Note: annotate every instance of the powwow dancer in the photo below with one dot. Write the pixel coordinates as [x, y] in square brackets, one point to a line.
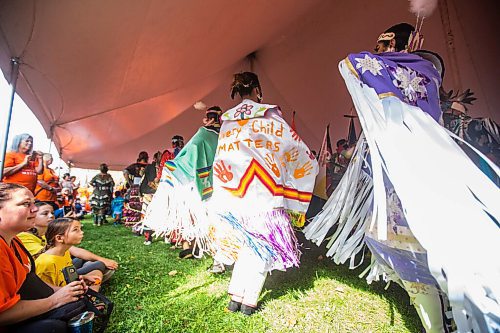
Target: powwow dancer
[263, 181]
[101, 197]
[177, 206]
[429, 223]
[170, 153]
[147, 189]
[133, 176]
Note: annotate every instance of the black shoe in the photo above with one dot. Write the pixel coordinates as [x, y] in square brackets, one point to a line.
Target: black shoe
[186, 254]
[247, 310]
[234, 306]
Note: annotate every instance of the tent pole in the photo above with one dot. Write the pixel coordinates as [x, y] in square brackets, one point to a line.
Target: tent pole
[13, 82]
[450, 42]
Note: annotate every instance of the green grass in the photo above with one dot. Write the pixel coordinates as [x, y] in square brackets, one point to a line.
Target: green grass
[318, 297]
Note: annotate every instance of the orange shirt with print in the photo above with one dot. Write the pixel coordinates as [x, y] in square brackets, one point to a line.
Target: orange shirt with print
[12, 272]
[49, 176]
[26, 176]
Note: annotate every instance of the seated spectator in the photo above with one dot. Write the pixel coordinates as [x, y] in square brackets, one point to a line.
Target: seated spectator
[34, 239]
[55, 259]
[78, 207]
[85, 261]
[69, 206]
[22, 165]
[28, 304]
[66, 209]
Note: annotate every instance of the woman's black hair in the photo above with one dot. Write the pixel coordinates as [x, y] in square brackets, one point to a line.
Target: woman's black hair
[143, 156]
[244, 83]
[103, 168]
[214, 113]
[214, 108]
[177, 138]
[402, 32]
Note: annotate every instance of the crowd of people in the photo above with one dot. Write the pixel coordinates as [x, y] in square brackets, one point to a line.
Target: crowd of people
[240, 188]
[40, 229]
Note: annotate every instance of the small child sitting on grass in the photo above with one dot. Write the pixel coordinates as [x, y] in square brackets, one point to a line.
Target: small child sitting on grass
[62, 234]
[117, 207]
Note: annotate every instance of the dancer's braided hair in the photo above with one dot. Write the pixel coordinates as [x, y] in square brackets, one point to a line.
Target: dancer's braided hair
[244, 83]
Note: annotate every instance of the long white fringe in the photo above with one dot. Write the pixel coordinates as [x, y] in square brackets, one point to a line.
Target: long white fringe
[451, 207]
[347, 210]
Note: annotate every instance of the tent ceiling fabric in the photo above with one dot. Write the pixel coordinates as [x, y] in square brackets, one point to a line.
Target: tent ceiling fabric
[110, 78]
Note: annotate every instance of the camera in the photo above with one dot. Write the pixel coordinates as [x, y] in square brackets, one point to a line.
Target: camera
[70, 274]
[67, 209]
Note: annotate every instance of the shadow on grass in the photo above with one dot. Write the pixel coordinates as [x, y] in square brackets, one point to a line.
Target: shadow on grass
[303, 278]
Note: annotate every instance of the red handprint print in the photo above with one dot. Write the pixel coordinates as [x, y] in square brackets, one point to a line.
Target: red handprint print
[222, 172]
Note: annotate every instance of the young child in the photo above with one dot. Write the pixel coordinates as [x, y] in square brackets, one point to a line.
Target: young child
[34, 239]
[78, 207]
[117, 207]
[62, 234]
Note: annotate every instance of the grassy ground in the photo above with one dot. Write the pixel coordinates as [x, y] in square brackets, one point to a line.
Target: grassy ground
[318, 297]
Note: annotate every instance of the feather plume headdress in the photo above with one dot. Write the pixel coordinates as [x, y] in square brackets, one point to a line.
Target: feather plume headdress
[200, 106]
[423, 9]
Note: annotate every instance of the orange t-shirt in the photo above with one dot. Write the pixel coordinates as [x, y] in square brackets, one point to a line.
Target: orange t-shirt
[12, 273]
[26, 176]
[50, 177]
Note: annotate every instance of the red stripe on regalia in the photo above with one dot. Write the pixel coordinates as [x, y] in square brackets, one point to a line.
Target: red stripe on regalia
[256, 170]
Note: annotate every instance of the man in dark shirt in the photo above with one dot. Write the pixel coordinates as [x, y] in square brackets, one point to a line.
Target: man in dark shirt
[149, 181]
[148, 187]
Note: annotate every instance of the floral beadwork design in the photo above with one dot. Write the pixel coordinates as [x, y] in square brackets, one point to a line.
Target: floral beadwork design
[245, 109]
[410, 83]
[369, 64]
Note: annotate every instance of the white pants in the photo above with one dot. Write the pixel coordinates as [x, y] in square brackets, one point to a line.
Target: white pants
[429, 306]
[248, 277]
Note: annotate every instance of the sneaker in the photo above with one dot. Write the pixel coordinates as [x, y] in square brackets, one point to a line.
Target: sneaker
[217, 268]
[106, 276]
[233, 306]
[147, 243]
[247, 309]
